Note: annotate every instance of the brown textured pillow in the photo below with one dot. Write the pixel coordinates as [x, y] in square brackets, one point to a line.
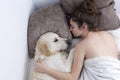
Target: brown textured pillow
[108, 19]
[47, 19]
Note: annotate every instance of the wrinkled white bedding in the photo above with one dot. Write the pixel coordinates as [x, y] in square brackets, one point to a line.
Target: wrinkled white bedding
[116, 35]
[101, 68]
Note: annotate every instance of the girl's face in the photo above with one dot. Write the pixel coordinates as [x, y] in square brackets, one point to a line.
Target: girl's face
[75, 30]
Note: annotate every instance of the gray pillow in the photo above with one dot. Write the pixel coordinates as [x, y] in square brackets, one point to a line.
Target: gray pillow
[108, 19]
[47, 19]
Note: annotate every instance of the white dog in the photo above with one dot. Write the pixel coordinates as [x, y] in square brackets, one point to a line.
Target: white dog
[51, 48]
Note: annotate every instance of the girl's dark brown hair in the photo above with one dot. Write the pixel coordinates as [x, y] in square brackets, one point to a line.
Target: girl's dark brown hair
[87, 13]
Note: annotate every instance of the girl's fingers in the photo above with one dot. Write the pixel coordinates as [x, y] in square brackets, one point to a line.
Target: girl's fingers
[38, 61]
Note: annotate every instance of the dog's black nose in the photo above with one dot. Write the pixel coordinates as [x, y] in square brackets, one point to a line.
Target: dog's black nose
[68, 42]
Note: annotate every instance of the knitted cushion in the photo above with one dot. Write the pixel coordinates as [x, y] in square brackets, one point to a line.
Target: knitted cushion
[47, 19]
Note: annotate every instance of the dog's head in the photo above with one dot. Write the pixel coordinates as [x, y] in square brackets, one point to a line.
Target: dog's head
[50, 43]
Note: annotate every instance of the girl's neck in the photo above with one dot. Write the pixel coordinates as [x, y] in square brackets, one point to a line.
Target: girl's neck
[85, 34]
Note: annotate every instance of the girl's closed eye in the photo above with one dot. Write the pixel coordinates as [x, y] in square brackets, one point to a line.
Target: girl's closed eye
[72, 27]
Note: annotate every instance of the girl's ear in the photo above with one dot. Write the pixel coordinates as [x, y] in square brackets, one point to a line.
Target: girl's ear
[84, 26]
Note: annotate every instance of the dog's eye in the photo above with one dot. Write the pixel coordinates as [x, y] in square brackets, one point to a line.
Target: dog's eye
[55, 40]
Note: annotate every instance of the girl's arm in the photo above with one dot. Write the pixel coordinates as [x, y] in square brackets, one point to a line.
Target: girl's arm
[78, 58]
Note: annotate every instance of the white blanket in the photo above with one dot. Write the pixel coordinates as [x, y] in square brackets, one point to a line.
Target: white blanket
[116, 36]
[101, 68]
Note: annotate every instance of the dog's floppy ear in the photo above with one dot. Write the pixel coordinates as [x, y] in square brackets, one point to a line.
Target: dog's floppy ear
[43, 48]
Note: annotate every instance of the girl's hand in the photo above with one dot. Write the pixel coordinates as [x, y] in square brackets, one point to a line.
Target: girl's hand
[40, 66]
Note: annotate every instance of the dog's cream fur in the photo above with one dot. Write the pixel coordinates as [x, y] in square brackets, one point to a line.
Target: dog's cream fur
[51, 48]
